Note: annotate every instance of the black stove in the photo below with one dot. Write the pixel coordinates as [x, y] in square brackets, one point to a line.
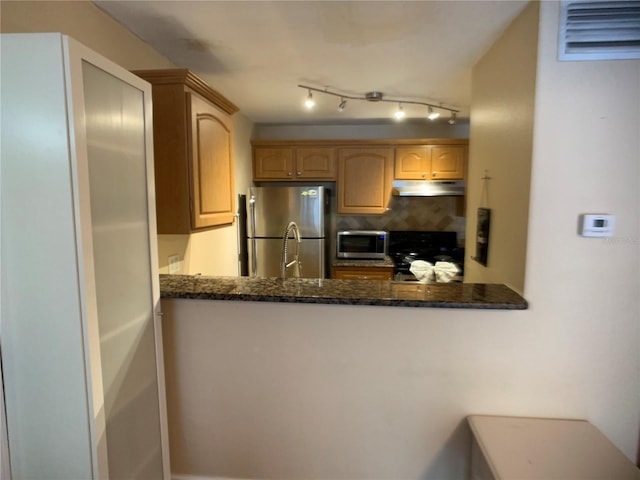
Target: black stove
[405, 246]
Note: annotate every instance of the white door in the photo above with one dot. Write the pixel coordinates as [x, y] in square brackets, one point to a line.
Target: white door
[117, 168]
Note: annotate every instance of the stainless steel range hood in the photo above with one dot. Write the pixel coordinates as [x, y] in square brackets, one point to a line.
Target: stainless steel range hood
[428, 188]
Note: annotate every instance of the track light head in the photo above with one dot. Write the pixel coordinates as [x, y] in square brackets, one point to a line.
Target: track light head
[452, 119]
[309, 102]
[432, 115]
[343, 102]
[399, 113]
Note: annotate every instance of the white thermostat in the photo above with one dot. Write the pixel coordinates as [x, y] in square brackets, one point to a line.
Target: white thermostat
[596, 225]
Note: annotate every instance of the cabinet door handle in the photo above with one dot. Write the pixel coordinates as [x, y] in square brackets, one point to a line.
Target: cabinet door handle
[288, 174]
[424, 174]
[434, 174]
[298, 173]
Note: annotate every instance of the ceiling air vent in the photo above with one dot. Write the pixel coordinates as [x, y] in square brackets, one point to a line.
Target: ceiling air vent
[599, 30]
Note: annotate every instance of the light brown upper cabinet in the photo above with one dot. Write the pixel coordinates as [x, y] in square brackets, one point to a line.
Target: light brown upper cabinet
[413, 163]
[273, 163]
[294, 163]
[193, 135]
[447, 162]
[430, 162]
[364, 179]
[364, 169]
[316, 163]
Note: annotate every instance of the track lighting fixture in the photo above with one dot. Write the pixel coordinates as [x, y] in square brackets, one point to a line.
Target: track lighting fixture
[432, 115]
[375, 96]
[309, 103]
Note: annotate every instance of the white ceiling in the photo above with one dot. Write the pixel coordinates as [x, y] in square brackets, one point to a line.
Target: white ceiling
[256, 52]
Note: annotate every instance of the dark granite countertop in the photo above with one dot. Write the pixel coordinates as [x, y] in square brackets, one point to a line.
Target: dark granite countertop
[358, 262]
[342, 292]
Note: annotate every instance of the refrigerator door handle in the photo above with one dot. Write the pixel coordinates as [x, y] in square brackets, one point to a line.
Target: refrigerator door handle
[254, 263]
[254, 250]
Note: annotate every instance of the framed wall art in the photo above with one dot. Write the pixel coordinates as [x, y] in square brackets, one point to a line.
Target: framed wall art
[482, 235]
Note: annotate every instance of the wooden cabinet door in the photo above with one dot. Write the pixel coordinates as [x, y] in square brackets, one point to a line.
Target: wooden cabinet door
[447, 162]
[273, 163]
[413, 163]
[316, 163]
[364, 180]
[211, 164]
[363, 273]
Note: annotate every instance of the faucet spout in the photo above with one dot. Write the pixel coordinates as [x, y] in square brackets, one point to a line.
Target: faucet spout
[292, 229]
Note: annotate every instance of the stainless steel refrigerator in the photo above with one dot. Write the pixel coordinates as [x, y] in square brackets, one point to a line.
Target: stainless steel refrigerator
[269, 211]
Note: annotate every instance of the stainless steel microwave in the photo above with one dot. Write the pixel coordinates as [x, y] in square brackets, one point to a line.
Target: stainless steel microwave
[367, 244]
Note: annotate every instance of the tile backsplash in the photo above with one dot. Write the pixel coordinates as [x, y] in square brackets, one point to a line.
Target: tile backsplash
[411, 213]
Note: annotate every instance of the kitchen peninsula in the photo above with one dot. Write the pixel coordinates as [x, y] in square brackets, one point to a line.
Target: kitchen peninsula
[342, 292]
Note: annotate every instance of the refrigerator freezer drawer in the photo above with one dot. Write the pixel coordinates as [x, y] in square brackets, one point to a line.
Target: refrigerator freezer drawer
[269, 253]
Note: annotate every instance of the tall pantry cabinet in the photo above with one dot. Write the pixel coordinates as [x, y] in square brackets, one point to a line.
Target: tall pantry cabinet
[81, 353]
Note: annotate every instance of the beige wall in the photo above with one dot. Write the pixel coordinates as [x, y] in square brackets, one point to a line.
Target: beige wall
[502, 112]
[213, 252]
[585, 290]
[409, 129]
[334, 391]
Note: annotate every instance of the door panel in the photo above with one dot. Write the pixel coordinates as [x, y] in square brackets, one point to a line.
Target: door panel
[364, 180]
[413, 163]
[123, 273]
[316, 162]
[273, 163]
[211, 167]
[447, 163]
